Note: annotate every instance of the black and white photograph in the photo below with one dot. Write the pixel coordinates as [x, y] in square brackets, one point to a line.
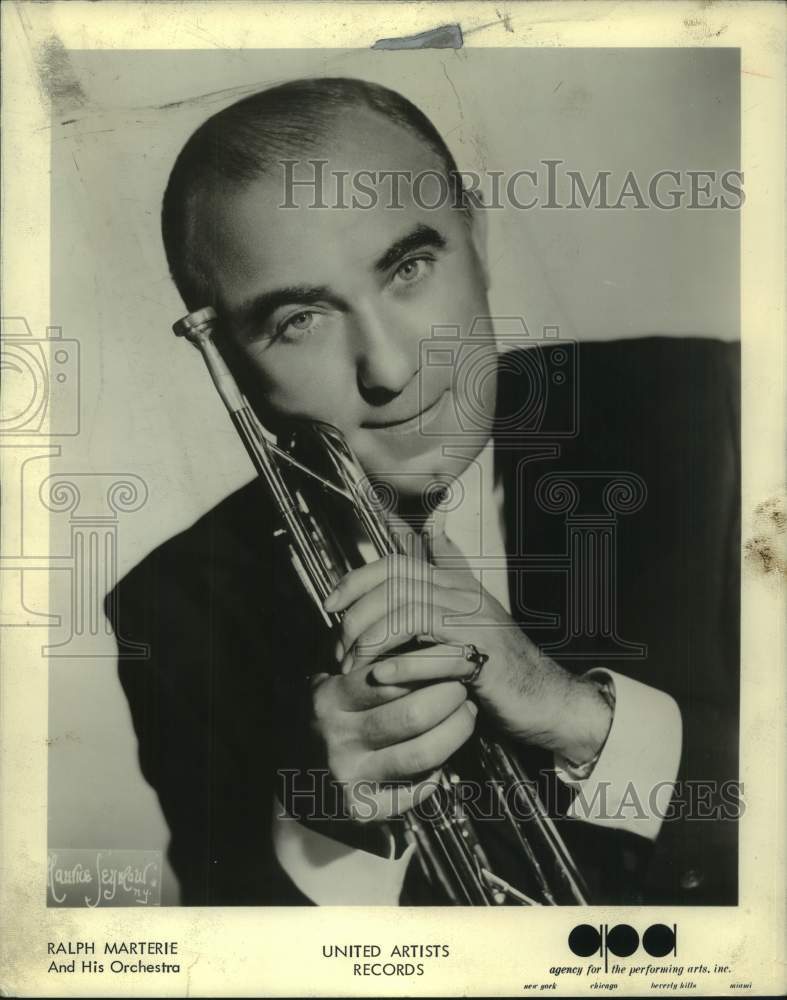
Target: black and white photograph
[387, 424]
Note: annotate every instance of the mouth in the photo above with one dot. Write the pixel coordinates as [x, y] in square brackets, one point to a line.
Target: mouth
[428, 414]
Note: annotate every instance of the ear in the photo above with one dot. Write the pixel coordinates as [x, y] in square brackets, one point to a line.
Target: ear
[478, 221]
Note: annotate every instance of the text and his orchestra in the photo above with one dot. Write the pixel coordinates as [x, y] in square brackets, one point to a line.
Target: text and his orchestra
[78, 956]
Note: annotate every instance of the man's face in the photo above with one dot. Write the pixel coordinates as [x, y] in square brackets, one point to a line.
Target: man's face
[329, 310]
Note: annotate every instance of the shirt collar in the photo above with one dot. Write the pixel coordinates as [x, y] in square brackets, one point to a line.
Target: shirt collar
[472, 511]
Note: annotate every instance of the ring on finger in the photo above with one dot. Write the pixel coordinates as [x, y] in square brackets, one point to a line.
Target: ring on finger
[473, 655]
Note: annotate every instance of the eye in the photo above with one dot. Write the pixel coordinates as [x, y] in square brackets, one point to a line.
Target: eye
[413, 270]
[301, 321]
[298, 324]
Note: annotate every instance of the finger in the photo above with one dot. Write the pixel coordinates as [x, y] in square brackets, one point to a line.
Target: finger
[371, 802]
[426, 752]
[437, 621]
[408, 717]
[441, 662]
[403, 605]
[352, 693]
[360, 581]
[360, 691]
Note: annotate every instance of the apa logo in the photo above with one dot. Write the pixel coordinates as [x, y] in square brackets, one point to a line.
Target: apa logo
[623, 940]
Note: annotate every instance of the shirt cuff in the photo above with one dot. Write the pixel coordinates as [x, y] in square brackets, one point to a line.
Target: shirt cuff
[331, 873]
[632, 782]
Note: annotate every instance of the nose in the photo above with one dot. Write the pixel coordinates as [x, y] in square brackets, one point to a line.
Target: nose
[385, 358]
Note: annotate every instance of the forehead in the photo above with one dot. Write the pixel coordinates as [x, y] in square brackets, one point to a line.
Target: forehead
[250, 243]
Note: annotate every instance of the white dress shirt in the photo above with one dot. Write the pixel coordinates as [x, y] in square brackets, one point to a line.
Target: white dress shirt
[628, 788]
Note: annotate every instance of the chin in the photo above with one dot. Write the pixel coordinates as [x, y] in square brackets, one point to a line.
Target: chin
[420, 474]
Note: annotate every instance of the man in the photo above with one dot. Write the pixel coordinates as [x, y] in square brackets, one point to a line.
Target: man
[323, 316]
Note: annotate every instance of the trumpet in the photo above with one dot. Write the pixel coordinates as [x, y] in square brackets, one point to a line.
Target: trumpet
[352, 529]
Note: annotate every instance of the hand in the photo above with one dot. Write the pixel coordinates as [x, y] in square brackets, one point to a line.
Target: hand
[525, 694]
[372, 734]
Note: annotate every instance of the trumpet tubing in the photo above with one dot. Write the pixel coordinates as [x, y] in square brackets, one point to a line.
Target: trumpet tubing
[448, 842]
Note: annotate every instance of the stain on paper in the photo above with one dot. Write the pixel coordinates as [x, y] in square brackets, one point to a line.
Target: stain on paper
[447, 36]
[57, 78]
[766, 549]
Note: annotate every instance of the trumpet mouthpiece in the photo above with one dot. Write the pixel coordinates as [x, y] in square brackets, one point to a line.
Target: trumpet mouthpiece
[196, 322]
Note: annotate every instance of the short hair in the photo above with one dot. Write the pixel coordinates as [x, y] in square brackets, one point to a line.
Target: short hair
[241, 142]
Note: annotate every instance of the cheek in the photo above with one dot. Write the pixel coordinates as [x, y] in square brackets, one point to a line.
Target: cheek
[460, 297]
[295, 382]
[472, 302]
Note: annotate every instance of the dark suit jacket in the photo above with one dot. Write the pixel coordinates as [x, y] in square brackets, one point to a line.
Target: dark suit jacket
[215, 715]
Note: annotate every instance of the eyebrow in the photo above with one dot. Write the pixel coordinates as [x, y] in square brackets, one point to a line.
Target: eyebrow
[259, 308]
[419, 237]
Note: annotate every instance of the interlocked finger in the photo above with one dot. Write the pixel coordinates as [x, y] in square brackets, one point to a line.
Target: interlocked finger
[408, 717]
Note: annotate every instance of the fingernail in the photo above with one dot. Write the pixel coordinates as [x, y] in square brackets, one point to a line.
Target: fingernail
[338, 651]
[473, 708]
[385, 672]
[348, 662]
[331, 601]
